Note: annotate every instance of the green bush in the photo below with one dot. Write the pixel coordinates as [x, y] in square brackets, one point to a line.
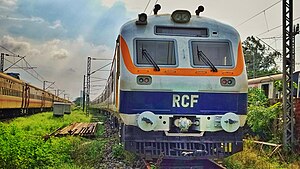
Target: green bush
[118, 151]
[22, 144]
[250, 157]
[260, 116]
[89, 153]
[18, 150]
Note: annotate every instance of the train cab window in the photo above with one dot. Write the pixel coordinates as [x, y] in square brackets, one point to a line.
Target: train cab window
[218, 53]
[162, 52]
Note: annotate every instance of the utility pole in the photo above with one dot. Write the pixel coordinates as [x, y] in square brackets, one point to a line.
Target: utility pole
[2, 62]
[288, 69]
[65, 95]
[59, 92]
[44, 84]
[88, 79]
[83, 94]
[88, 84]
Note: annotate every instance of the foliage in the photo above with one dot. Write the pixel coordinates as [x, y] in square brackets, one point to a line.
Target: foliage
[90, 153]
[279, 85]
[261, 119]
[260, 61]
[118, 151]
[78, 101]
[45, 123]
[261, 116]
[22, 144]
[253, 157]
[257, 97]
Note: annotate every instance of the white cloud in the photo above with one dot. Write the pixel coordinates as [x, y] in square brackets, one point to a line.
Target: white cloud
[56, 24]
[133, 6]
[62, 61]
[60, 54]
[31, 19]
[15, 45]
[8, 3]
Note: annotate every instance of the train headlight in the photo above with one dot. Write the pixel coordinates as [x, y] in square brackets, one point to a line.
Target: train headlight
[144, 80]
[181, 16]
[142, 19]
[227, 81]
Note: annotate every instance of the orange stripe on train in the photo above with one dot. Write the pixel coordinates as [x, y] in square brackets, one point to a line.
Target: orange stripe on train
[181, 71]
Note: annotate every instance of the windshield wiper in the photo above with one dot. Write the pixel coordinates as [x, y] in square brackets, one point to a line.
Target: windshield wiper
[205, 60]
[150, 59]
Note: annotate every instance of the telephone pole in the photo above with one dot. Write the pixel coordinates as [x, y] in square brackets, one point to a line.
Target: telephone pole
[289, 33]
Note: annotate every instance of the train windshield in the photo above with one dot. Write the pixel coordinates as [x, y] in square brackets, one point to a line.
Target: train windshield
[162, 52]
[218, 53]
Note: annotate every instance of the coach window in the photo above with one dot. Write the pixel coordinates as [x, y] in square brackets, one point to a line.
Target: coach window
[218, 53]
[162, 52]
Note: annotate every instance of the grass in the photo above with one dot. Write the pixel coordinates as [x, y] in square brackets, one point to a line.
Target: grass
[45, 123]
[22, 144]
[253, 157]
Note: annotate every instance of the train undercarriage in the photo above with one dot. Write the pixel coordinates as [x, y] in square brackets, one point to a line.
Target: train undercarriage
[152, 145]
[11, 113]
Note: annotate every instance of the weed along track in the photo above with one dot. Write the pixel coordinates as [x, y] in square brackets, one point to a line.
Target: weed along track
[23, 143]
[114, 154]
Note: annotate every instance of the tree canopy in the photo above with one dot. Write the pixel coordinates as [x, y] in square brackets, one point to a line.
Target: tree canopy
[259, 58]
[78, 101]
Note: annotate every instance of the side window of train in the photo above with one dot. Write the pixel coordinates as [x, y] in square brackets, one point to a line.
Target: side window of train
[265, 88]
[162, 52]
[219, 53]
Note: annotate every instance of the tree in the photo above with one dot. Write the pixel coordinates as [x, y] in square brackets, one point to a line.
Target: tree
[261, 116]
[78, 101]
[260, 60]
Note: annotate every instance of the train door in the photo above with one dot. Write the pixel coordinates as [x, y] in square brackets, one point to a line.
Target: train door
[25, 98]
[265, 88]
[43, 100]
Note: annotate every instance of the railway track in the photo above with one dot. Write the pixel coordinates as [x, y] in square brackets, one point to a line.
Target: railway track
[185, 164]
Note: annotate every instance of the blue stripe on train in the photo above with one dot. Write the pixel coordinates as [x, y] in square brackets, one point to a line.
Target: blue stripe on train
[134, 102]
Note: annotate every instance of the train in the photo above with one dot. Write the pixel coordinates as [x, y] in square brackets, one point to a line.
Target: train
[177, 87]
[19, 98]
[272, 86]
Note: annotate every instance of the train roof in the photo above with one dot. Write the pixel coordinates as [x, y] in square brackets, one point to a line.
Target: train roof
[265, 79]
[195, 21]
[271, 78]
[6, 76]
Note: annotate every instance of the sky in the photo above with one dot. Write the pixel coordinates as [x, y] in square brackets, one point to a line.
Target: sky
[57, 36]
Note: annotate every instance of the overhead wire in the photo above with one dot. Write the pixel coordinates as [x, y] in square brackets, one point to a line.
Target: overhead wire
[27, 64]
[275, 28]
[147, 5]
[154, 4]
[266, 20]
[37, 76]
[247, 20]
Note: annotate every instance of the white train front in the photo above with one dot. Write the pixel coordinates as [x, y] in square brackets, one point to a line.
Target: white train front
[179, 86]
